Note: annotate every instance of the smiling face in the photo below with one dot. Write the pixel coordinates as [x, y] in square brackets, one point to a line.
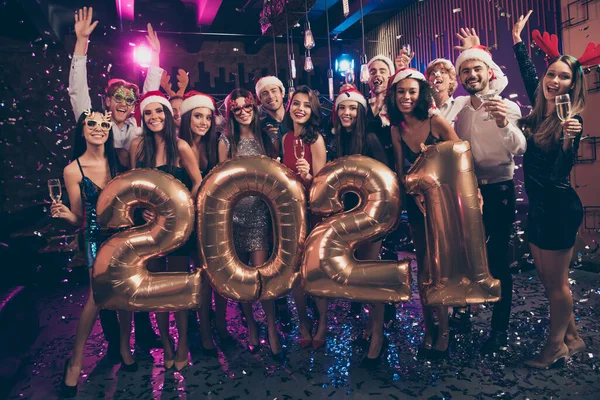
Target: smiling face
[154, 117]
[379, 74]
[557, 80]
[300, 111]
[475, 76]
[176, 103]
[201, 120]
[347, 114]
[407, 94]
[271, 97]
[96, 128]
[243, 111]
[439, 79]
[121, 104]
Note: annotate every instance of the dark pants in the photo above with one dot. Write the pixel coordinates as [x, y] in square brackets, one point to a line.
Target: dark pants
[498, 216]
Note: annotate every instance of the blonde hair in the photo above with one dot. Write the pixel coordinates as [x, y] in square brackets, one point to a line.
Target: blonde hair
[447, 65]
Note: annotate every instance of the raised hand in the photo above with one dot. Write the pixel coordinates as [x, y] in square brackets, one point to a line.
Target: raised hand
[403, 59]
[468, 38]
[518, 27]
[83, 23]
[152, 39]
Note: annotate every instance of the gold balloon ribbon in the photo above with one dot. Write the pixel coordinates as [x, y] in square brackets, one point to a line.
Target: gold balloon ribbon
[120, 278]
[284, 194]
[456, 257]
[329, 268]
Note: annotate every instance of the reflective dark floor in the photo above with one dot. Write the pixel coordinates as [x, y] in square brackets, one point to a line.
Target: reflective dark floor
[335, 372]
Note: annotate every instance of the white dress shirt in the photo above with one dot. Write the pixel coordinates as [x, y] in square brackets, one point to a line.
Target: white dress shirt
[493, 148]
[79, 92]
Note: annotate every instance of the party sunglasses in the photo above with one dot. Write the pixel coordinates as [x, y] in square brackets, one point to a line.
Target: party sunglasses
[103, 125]
[238, 110]
[119, 99]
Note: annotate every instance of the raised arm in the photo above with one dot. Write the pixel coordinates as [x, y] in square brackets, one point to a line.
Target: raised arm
[79, 91]
[526, 65]
[154, 75]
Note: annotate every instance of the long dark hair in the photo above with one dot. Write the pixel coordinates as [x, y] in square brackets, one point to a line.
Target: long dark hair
[546, 130]
[421, 110]
[80, 145]
[310, 130]
[354, 141]
[209, 140]
[233, 127]
[146, 154]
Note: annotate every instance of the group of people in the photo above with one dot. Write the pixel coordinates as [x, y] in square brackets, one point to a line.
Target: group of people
[407, 109]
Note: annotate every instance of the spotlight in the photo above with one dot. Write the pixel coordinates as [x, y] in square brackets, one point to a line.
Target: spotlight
[142, 56]
[343, 64]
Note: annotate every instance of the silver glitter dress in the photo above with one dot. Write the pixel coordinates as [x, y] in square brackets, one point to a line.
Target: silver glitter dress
[251, 216]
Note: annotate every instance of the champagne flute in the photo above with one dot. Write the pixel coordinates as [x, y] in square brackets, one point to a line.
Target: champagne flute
[490, 95]
[55, 190]
[563, 110]
[298, 148]
[406, 49]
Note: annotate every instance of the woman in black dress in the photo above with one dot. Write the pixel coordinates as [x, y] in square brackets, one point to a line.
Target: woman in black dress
[555, 211]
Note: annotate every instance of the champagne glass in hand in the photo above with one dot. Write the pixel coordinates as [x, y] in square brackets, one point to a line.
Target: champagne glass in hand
[490, 95]
[563, 110]
[298, 148]
[55, 190]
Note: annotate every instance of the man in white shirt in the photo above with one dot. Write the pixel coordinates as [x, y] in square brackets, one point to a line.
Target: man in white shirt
[494, 141]
[121, 96]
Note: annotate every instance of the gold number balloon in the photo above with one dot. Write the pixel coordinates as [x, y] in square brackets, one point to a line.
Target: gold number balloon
[120, 278]
[284, 194]
[329, 267]
[456, 256]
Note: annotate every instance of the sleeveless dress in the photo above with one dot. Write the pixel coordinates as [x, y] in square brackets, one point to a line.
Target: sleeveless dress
[92, 234]
[415, 216]
[251, 216]
[555, 210]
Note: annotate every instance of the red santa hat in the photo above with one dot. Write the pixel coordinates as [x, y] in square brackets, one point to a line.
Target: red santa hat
[350, 94]
[384, 59]
[268, 80]
[406, 73]
[194, 99]
[474, 53]
[153, 96]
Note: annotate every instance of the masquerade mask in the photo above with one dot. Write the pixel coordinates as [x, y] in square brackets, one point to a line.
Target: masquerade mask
[124, 95]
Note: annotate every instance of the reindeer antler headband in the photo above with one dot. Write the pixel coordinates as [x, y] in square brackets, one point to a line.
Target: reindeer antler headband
[549, 44]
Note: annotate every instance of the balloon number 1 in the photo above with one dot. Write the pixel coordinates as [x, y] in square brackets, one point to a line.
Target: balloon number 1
[120, 278]
[329, 267]
[456, 256]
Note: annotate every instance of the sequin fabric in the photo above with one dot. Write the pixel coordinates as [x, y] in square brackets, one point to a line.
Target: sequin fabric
[251, 216]
[93, 235]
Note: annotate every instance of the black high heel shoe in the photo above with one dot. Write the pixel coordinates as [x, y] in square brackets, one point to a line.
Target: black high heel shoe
[67, 391]
[373, 362]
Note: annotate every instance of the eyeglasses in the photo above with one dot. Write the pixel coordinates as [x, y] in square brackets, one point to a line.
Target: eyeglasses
[238, 110]
[128, 100]
[103, 125]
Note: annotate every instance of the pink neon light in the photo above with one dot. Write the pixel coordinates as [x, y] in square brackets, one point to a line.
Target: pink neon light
[142, 55]
[125, 9]
[207, 10]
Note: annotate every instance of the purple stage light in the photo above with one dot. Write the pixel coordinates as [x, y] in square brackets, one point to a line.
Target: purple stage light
[125, 9]
[142, 55]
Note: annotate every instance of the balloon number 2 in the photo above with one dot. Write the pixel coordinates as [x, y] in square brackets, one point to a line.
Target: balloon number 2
[329, 267]
[120, 279]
